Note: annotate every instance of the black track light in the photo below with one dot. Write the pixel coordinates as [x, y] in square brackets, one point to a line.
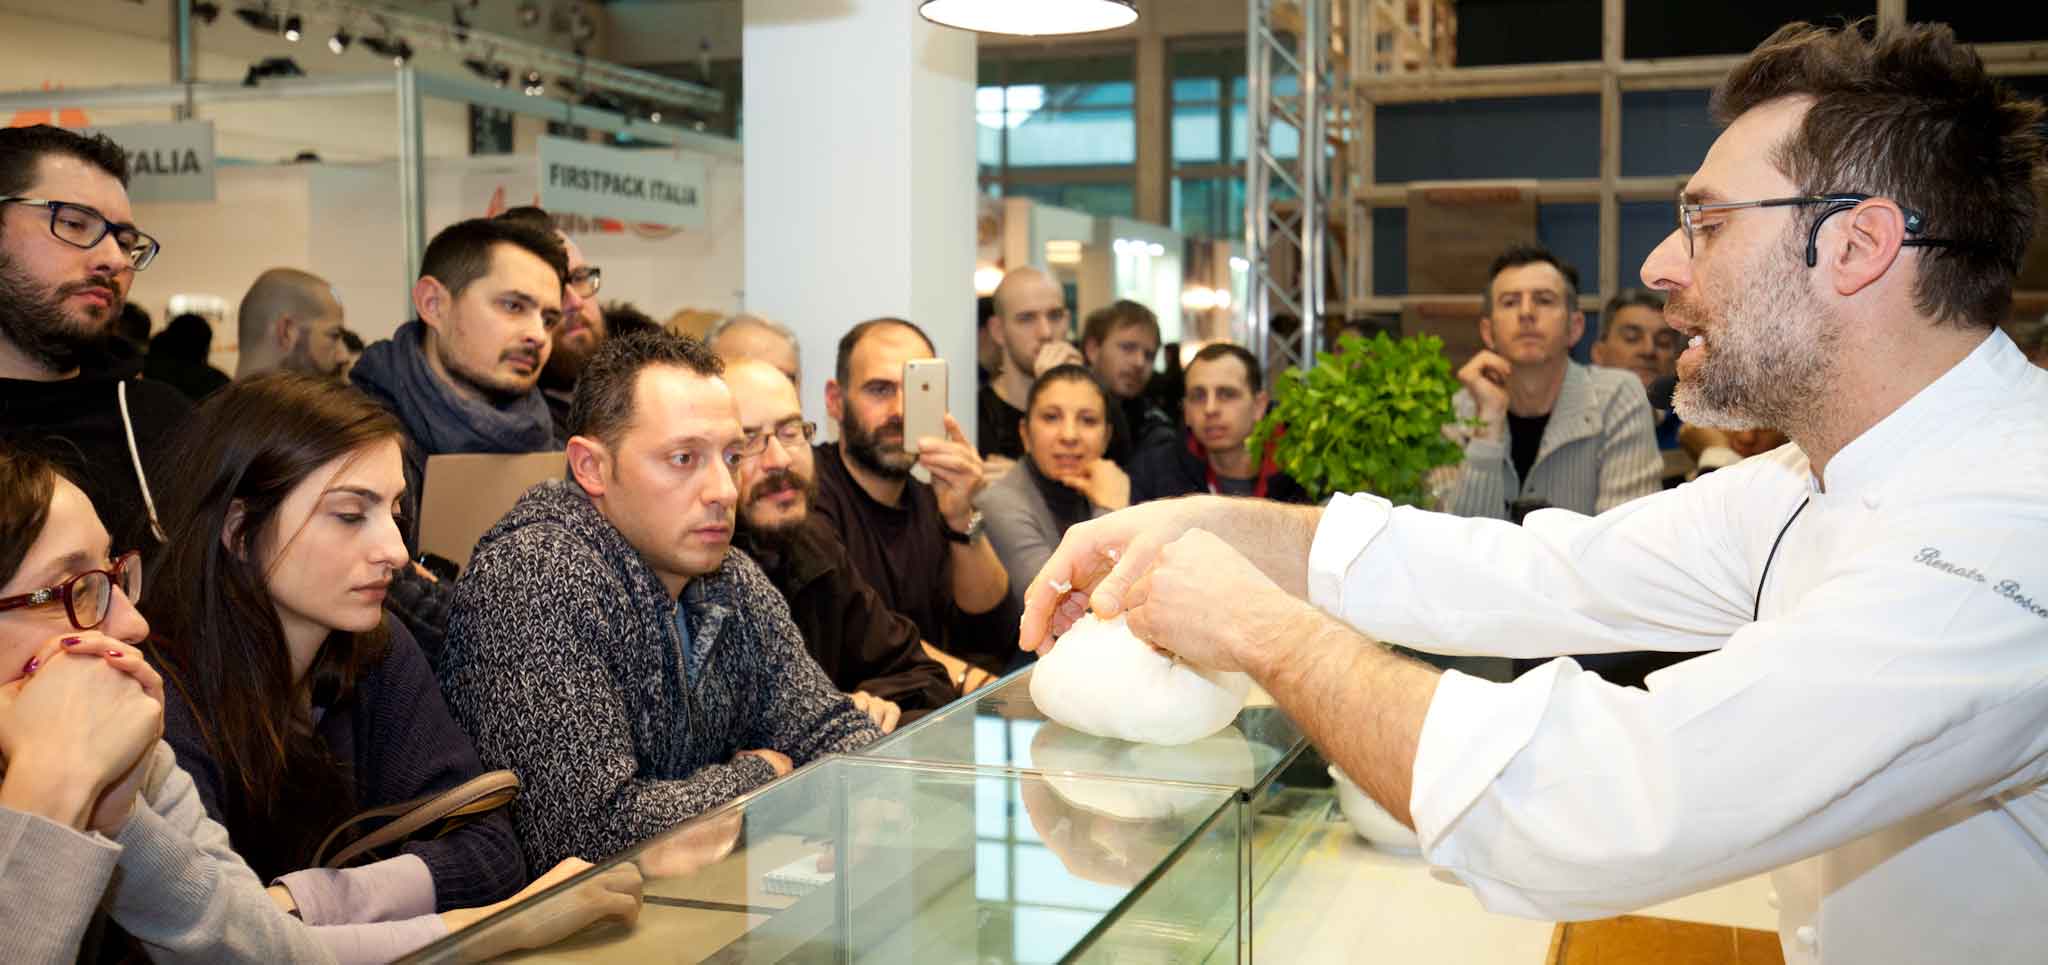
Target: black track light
[205, 12]
[339, 42]
[259, 19]
[293, 28]
[398, 50]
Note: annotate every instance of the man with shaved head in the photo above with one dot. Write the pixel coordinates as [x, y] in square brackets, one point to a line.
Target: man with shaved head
[1031, 324]
[753, 337]
[291, 320]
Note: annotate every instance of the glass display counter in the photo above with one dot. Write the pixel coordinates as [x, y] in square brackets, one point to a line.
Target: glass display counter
[981, 833]
[871, 860]
[1000, 727]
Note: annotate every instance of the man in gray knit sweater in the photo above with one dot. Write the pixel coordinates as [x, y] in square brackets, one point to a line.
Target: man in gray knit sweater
[608, 644]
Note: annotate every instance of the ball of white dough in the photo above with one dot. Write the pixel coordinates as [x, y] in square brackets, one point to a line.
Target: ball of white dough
[1101, 679]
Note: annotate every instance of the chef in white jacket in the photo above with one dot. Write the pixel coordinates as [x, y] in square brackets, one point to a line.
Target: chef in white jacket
[1869, 716]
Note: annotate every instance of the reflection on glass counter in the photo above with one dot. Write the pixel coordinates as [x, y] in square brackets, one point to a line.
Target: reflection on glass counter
[860, 860]
[999, 726]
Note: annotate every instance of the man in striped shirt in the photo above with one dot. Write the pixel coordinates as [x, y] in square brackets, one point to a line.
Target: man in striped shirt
[1539, 429]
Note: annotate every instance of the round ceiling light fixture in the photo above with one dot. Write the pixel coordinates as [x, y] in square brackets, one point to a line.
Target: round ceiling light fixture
[1031, 18]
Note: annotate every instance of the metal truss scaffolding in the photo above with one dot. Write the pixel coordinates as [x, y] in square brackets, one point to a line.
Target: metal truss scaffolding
[1286, 233]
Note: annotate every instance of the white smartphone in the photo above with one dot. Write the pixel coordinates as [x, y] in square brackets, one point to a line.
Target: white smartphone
[924, 401]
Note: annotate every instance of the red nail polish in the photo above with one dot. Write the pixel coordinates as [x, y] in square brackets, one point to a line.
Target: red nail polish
[30, 667]
[72, 641]
[115, 653]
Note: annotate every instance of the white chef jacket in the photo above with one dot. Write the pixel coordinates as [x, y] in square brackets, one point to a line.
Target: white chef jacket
[1883, 723]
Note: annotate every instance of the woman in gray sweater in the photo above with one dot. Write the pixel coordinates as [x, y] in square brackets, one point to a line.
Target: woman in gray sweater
[1063, 478]
[86, 786]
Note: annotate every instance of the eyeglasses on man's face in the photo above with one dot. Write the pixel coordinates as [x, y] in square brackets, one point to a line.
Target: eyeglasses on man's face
[1690, 219]
[791, 432]
[88, 597]
[585, 281]
[82, 227]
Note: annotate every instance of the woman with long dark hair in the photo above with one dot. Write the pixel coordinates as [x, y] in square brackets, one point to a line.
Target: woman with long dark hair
[98, 825]
[293, 700]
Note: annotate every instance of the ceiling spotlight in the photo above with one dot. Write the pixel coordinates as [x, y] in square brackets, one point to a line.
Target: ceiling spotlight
[398, 50]
[339, 42]
[292, 27]
[259, 18]
[535, 85]
[497, 74]
[271, 67]
[654, 117]
[1031, 17]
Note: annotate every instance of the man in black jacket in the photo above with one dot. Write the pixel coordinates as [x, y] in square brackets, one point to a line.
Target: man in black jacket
[607, 644]
[869, 651]
[68, 254]
[1224, 399]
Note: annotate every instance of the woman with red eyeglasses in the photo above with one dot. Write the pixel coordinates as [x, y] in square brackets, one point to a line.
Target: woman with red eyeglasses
[87, 788]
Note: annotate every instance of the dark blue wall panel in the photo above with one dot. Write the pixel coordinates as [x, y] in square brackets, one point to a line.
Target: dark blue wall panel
[1512, 137]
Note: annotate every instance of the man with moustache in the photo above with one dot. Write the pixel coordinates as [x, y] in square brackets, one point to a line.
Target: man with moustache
[68, 253]
[583, 323]
[920, 545]
[291, 320]
[463, 376]
[1871, 601]
[607, 644]
[869, 651]
[1538, 428]
[1031, 323]
[1120, 341]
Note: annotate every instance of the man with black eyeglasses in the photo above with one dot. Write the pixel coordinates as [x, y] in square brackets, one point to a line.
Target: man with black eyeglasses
[68, 253]
[1866, 718]
[871, 652]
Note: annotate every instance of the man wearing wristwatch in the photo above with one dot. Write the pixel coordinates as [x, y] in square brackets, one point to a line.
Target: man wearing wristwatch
[919, 544]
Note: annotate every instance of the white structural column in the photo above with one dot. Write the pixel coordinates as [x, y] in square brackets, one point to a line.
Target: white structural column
[860, 193]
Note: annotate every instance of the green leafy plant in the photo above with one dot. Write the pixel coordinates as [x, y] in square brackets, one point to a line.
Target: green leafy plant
[1369, 418]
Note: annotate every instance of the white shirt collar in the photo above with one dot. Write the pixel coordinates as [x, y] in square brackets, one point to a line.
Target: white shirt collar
[1961, 395]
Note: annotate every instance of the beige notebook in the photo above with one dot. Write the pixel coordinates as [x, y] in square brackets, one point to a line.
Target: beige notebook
[466, 494]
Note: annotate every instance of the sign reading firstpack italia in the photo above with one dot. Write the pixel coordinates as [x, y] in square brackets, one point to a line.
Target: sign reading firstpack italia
[647, 186]
[167, 162]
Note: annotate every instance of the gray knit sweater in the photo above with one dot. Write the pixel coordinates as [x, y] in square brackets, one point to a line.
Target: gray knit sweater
[563, 663]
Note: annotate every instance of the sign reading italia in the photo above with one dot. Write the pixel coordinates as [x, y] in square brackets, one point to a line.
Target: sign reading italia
[650, 186]
[167, 162]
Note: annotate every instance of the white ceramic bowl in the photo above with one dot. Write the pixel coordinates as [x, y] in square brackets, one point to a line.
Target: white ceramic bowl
[1371, 821]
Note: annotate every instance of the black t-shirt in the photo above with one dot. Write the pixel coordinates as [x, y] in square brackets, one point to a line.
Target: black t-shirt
[901, 550]
[999, 423]
[77, 424]
[1525, 440]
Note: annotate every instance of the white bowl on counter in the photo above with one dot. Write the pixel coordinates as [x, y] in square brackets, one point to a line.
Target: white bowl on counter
[1371, 821]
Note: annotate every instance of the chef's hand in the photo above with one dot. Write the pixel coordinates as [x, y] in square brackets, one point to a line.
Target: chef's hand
[1098, 561]
[1175, 605]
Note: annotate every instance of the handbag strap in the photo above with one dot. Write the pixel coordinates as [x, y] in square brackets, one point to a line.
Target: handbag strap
[477, 796]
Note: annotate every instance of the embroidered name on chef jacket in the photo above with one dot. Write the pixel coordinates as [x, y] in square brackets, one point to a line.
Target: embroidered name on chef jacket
[2010, 589]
